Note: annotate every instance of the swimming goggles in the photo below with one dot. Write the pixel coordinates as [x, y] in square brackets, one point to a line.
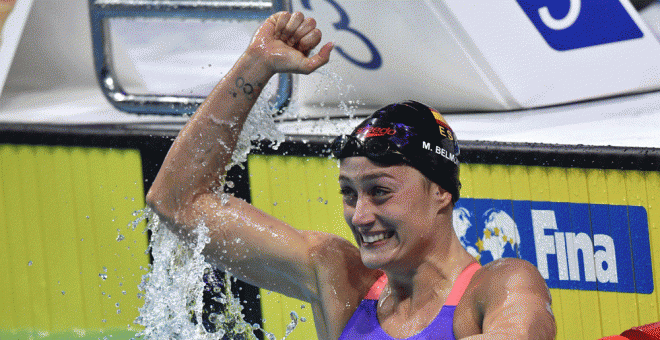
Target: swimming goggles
[378, 149]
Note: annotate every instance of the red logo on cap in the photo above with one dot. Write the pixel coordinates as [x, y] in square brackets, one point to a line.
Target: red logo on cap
[375, 131]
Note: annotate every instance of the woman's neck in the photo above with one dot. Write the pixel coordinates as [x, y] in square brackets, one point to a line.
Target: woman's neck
[430, 281]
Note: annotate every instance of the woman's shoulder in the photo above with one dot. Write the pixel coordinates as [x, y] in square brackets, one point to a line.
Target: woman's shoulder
[508, 264]
[513, 276]
[499, 290]
[337, 258]
[510, 272]
[343, 281]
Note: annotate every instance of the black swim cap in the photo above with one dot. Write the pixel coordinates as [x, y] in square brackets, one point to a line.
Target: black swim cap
[407, 132]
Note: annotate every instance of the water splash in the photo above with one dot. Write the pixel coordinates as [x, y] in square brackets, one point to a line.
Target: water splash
[173, 289]
[173, 292]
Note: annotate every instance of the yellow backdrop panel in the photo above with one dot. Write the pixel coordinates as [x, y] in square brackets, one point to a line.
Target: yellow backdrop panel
[66, 272]
[303, 191]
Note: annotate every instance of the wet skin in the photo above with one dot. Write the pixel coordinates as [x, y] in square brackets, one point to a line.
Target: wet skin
[422, 257]
[419, 252]
[395, 203]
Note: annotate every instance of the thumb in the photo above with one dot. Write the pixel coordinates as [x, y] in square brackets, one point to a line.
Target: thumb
[319, 59]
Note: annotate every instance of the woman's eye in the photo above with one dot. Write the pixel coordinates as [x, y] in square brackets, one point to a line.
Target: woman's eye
[378, 191]
[346, 192]
[349, 196]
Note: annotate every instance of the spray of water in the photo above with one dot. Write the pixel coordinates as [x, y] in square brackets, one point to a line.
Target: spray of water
[174, 286]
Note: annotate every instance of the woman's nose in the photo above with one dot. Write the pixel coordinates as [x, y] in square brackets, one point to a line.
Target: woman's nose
[363, 214]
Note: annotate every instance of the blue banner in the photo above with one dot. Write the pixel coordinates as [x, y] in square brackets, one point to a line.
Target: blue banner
[574, 245]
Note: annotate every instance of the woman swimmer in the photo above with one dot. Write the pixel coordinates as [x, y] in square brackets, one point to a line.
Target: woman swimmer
[399, 181]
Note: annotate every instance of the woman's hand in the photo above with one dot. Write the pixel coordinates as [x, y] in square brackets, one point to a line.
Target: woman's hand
[283, 42]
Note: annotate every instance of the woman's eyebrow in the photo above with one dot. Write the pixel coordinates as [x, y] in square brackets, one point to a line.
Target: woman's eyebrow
[367, 177]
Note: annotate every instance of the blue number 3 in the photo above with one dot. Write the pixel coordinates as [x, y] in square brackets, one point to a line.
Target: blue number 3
[342, 25]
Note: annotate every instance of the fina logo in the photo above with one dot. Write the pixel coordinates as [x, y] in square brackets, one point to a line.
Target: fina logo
[570, 24]
[574, 246]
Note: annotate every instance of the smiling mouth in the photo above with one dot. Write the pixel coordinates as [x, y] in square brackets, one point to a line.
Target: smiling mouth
[373, 238]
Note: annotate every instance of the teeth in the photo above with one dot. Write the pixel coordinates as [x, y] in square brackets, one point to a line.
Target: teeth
[374, 238]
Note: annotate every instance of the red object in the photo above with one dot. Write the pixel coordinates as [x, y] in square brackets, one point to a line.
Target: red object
[646, 332]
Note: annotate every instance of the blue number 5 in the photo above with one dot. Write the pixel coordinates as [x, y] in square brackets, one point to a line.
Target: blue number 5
[342, 25]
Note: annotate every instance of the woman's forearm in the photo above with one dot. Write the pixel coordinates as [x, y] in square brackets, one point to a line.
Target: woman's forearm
[204, 147]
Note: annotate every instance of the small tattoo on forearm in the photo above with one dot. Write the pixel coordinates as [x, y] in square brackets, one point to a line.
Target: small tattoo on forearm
[247, 88]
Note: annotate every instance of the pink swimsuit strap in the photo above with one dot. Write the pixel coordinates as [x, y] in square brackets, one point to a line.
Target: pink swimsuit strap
[454, 295]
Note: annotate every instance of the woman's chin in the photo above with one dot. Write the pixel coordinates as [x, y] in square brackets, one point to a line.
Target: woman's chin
[376, 259]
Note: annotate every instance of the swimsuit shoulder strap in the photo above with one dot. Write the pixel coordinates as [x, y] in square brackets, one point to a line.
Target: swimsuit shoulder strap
[454, 296]
[376, 288]
[461, 284]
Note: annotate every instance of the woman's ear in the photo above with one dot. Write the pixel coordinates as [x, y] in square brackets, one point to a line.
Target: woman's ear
[440, 195]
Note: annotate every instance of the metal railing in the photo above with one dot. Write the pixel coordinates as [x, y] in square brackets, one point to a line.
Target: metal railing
[102, 10]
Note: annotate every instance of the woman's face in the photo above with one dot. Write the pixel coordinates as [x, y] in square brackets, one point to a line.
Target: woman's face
[391, 210]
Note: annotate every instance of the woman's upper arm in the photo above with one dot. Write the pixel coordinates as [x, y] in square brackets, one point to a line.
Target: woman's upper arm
[517, 302]
[261, 249]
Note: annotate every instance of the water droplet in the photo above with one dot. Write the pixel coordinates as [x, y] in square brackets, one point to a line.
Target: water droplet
[219, 318]
[292, 325]
[29, 263]
[63, 292]
[224, 198]
[120, 238]
[103, 276]
[239, 328]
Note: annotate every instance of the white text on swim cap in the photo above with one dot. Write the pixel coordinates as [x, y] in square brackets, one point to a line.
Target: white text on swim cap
[442, 152]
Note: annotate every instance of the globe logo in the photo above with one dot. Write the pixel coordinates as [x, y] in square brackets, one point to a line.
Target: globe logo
[463, 229]
[495, 237]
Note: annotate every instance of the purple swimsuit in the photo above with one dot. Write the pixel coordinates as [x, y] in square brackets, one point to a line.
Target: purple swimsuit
[364, 322]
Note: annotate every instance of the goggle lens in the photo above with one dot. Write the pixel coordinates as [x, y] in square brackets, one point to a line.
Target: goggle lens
[378, 149]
